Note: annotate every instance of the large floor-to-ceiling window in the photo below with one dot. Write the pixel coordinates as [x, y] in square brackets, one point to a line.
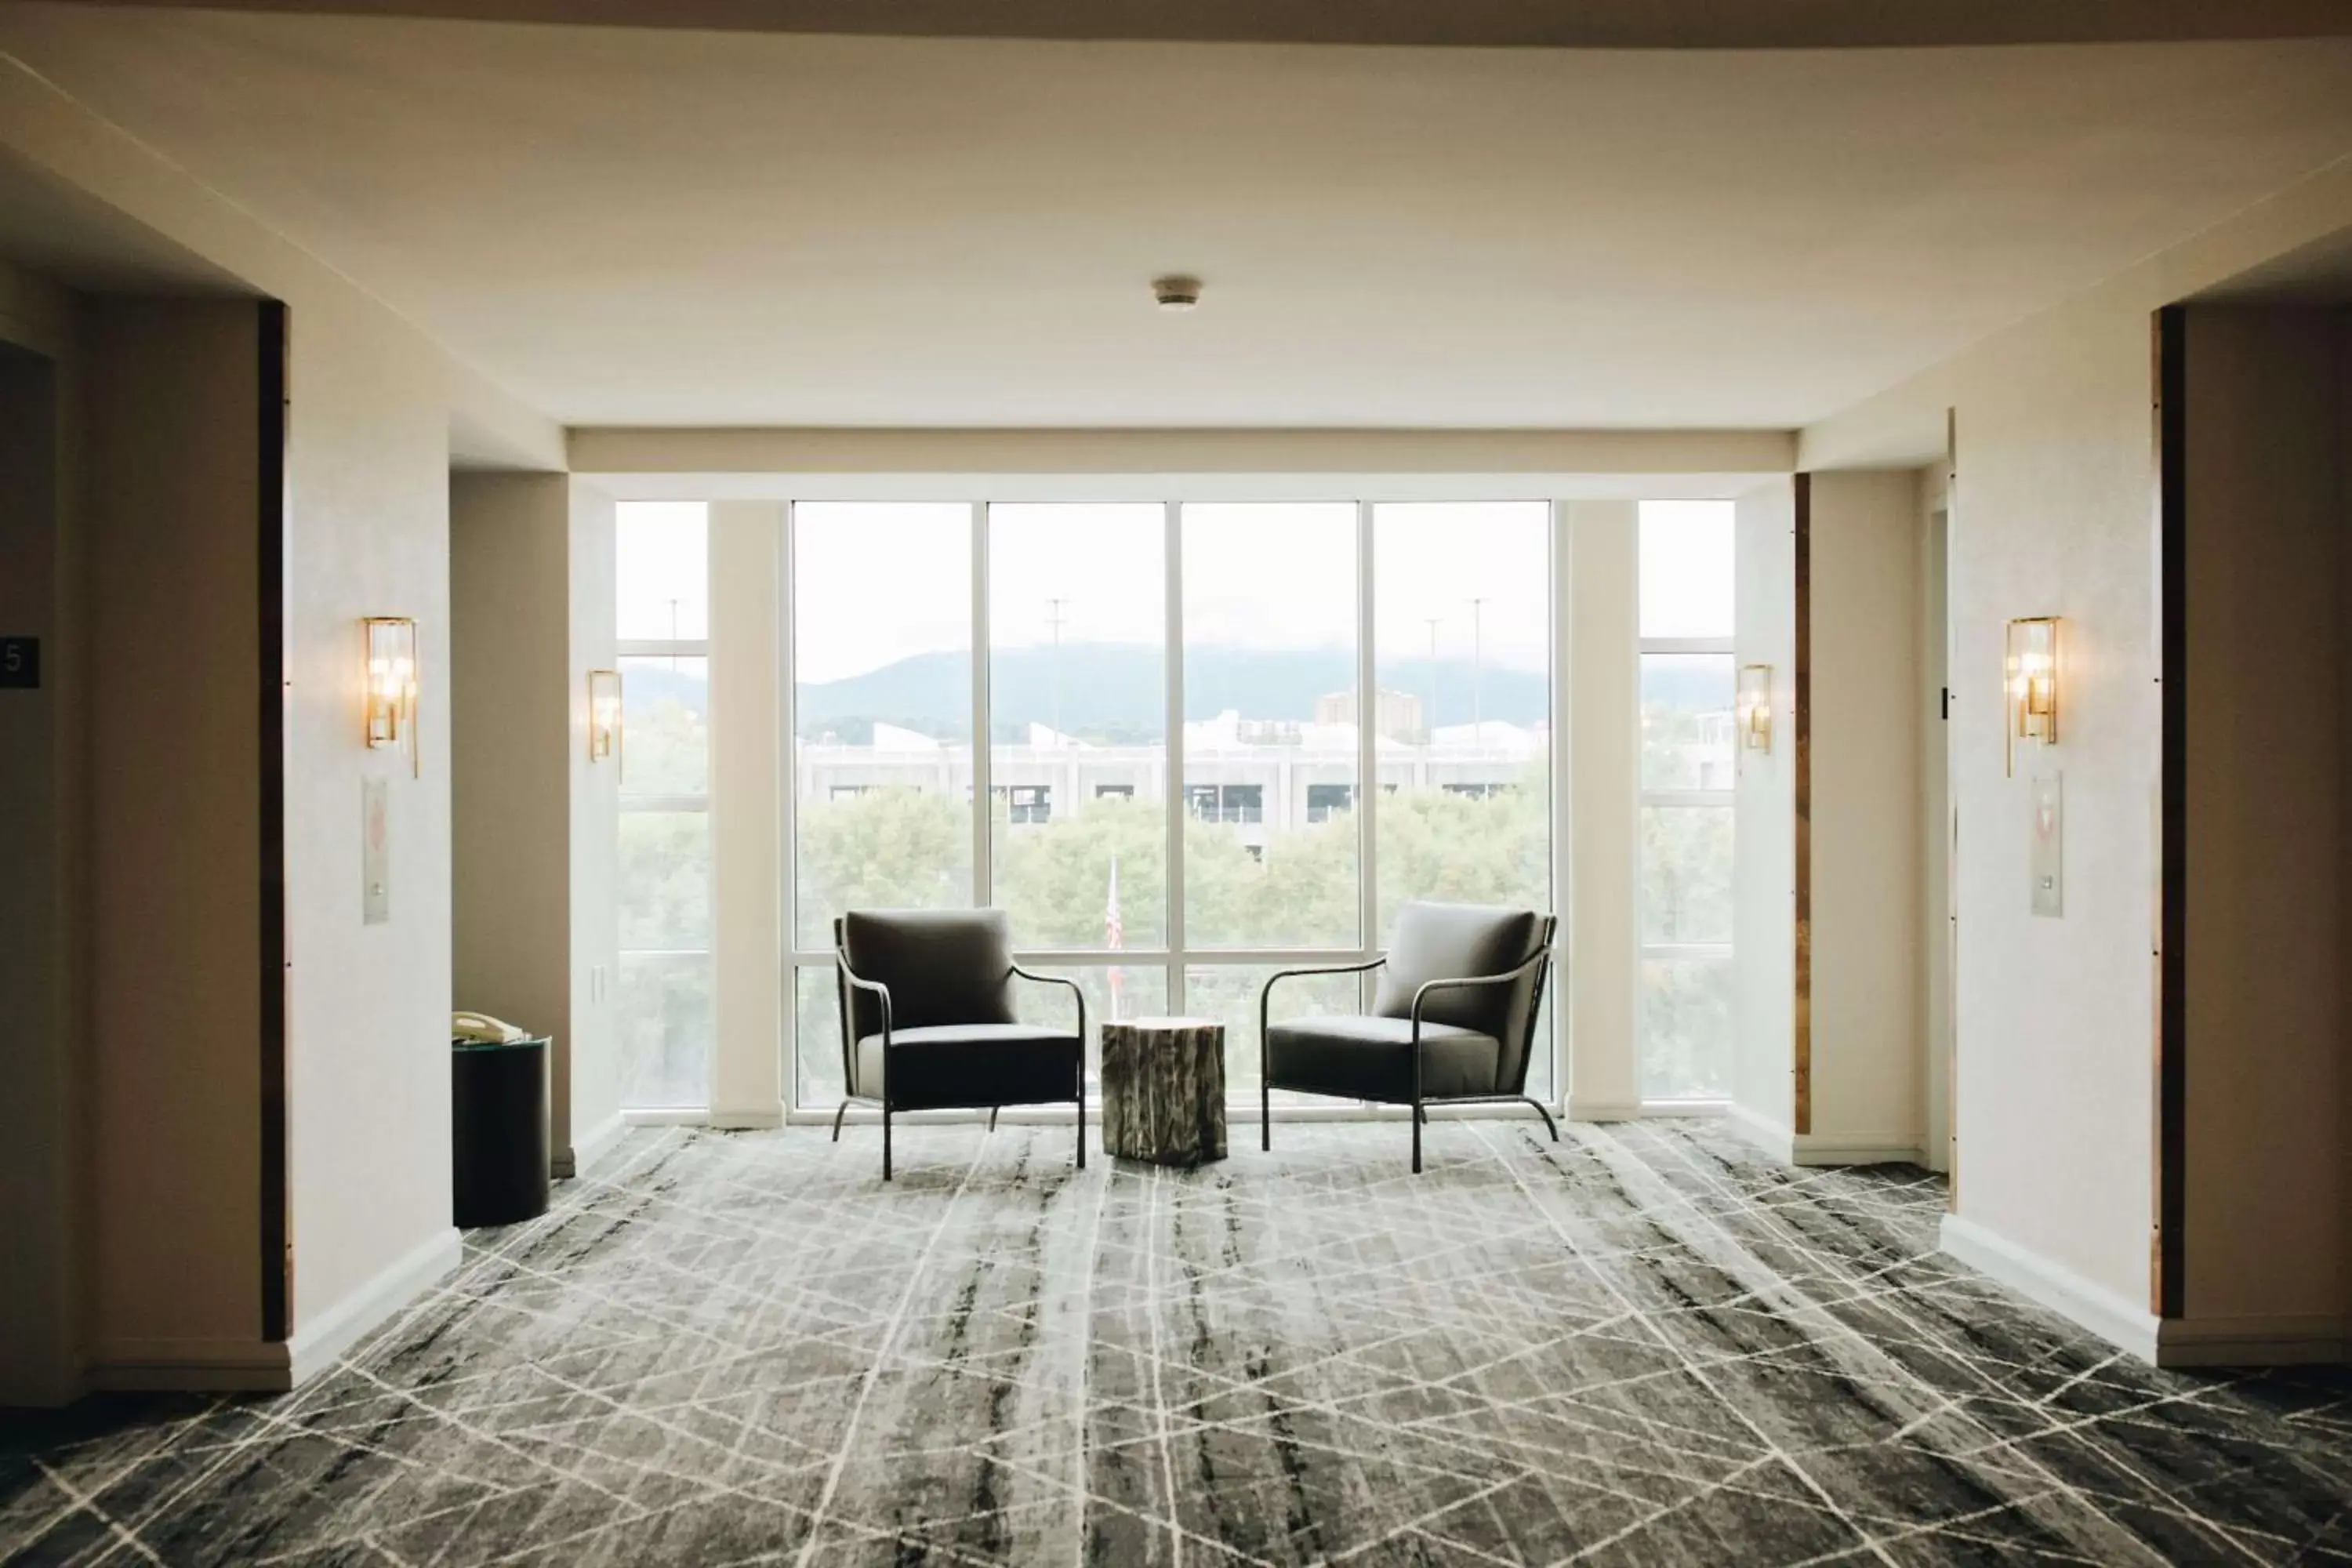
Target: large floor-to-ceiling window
[1183, 744]
[1160, 764]
[662, 615]
[1688, 754]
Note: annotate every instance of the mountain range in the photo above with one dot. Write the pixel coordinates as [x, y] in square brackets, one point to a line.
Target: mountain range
[1113, 690]
[1116, 688]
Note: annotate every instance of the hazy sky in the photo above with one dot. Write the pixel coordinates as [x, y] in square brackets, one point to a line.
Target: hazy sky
[876, 582]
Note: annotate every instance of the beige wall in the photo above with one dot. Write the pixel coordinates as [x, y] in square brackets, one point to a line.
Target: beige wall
[747, 782]
[372, 404]
[1604, 781]
[2266, 757]
[595, 1061]
[2053, 514]
[1764, 932]
[175, 848]
[368, 1036]
[1867, 1048]
[510, 720]
[41, 898]
[2053, 1087]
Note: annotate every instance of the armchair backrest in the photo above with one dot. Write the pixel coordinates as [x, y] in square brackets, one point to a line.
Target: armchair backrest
[1462, 942]
[942, 967]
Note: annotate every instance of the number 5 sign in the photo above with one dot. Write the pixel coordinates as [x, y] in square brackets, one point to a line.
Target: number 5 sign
[20, 663]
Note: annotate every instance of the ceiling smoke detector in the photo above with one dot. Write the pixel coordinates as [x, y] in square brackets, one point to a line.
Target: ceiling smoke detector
[1177, 291]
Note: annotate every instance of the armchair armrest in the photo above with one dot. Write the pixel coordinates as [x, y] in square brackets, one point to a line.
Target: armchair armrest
[1320, 969]
[1075, 992]
[841, 959]
[1266, 994]
[1540, 957]
[849, 1026]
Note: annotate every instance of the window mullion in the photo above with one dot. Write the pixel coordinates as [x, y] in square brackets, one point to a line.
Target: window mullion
[1173, 786]
[1367, 750]
[984, 803]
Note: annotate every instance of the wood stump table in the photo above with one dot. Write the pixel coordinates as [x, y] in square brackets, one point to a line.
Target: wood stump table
[1163, 1089]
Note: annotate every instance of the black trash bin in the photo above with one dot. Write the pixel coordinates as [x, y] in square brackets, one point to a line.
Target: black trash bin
[498, 1090]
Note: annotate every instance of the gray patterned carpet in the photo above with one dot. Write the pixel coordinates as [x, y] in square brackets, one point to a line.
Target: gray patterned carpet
[1642, 1345]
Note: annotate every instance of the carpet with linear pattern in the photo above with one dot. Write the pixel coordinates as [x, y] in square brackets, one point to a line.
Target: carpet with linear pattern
[1643, 1344]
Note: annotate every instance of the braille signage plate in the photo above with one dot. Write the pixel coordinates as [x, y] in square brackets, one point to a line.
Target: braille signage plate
[20, 663]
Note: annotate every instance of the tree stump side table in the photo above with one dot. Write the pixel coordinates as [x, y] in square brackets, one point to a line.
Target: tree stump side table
[1163, 1089]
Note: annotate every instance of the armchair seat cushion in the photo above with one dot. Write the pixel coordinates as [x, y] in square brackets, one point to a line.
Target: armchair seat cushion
[941, 1067]
[1370, 1058]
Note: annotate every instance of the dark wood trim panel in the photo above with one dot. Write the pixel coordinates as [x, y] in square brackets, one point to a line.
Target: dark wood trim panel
[1947, 843]
[1801, 676]
[272, 524]
[2167, 1262]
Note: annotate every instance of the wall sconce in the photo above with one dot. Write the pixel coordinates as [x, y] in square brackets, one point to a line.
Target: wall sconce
[604, 714]
[391, 642]
[1755, 707]
[2031, 670]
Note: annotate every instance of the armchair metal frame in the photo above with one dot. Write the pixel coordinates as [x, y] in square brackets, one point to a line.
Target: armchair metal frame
[850, 977]
[1540, 961]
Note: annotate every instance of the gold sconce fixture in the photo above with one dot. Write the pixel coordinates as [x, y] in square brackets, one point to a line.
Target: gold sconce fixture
[2030, 671]
[1755, 707]
[604, 714]
[391, 642]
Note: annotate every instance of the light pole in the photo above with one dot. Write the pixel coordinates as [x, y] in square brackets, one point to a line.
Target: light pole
[1054, 618]
[1477, 673]
[1429, 730]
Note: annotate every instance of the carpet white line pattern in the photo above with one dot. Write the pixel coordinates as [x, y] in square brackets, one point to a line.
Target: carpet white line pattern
[881, 1354]
[1530, 1354]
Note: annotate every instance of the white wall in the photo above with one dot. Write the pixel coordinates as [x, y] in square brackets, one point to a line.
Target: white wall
[747, 954]
[1764, 934]
[594, 1075]
[2057, 1024]
[1605, 783]
[1868, 1052]
[368, 1033]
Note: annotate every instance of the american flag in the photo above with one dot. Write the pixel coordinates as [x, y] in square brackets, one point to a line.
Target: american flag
[1113, 935]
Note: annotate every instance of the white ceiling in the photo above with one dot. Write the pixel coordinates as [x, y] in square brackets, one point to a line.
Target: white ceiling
[679, 228]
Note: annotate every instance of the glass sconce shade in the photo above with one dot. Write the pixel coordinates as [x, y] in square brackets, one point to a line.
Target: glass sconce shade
[604, 714]
[1755, 706]
[392, 681]
[2030, 674]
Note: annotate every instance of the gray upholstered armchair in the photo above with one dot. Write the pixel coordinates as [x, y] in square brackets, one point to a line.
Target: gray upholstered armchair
[928, 1021]
[1453, 1022]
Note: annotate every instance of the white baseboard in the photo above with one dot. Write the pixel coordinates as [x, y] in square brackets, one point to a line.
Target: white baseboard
[1765, 1133]
[2282, 1341]
[1811, 1149]
[671, 1116]
[565, 1164]
[2122, 1322]
[265, 1366]
[1603, 1109]
[1685, 1108]
[748, 1120]
[320, 1341]
[190, 1366]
